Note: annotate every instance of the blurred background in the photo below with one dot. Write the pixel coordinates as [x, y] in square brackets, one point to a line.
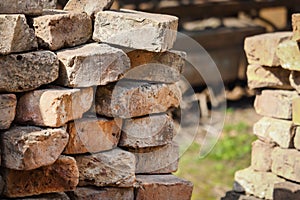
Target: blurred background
[221, 26]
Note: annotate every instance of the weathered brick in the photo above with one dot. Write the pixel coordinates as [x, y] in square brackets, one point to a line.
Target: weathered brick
[261, 156]
[150, 131]
[129, 99]
[289, 55]
[261, 49]
[29, 7]
[8, 103]
[163, 67]
[53, 107]
[295, 80]
[275, 103]
[134, 29]
[58, 29]
[286, 191]
[286, 163]
[296, 111]
[93, 135]
[91, 7]
[27, 148]
[27, 71]
[91, 64]
[59, 177]
[110, 168]
[157, 160]
[277, 131]
[296, 27]
[297, 138]
[88, 193]
[268, 77]
[153, 187]
[16, 36]
[259, 184]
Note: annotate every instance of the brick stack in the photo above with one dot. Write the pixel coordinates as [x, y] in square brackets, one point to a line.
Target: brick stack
[274, 65]
[73, 125]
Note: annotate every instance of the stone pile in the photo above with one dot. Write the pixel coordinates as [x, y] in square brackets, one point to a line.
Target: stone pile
[274, 71]
[80, 118]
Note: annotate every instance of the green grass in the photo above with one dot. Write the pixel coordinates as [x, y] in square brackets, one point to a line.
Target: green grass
[213, 175]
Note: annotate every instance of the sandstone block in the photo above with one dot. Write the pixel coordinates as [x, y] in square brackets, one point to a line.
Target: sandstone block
[297, 138]
[8, 104]
[134, 29]
[286, 163]
[296, 27]
[91, 7]
[268, 77]
[296, 111]
[88, 193]
[57, 29]
[110, 168]
[277, 131]
[261, 49]
[59, 177]
[157, 160]
[129, 99]
[91, 64]
[28, 7]
[27, 148]
[289, 55]
[16, 36]
[150, 131]
[259, 184]
[275, 103]
[295, 80]
[261, 156]
[53, 107]
[27, 71]
[286, 190]
[163, 67]
[93, 135]
[152, 187]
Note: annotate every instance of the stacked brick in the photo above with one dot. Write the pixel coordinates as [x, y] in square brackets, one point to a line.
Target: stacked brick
[75, 123]
[273, 71]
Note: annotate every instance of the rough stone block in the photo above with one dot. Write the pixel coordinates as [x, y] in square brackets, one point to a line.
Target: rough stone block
[268, 77]
[296, 111]
[277, 131]
[27, 148]
[137, 30]
[150, 131]
[286, 163]
[129, 99]
[163, 67]
[152, 187]
[286, 191]
[275, 103]
[27, 71]
[59, 177]
[261, 49]
[261, 156]
[53, 107]
[91, 64]
[58, 29]
[259, 184]
[16, 36]
[157, 160]
[88, 193]
[51, 196]
[91, 7]
[297, 138]
[110, 168]
[8, 103]
[296, 27]
[231, 195]
[28, 7]
[49, 4]
[289, 55]
[93, 135]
